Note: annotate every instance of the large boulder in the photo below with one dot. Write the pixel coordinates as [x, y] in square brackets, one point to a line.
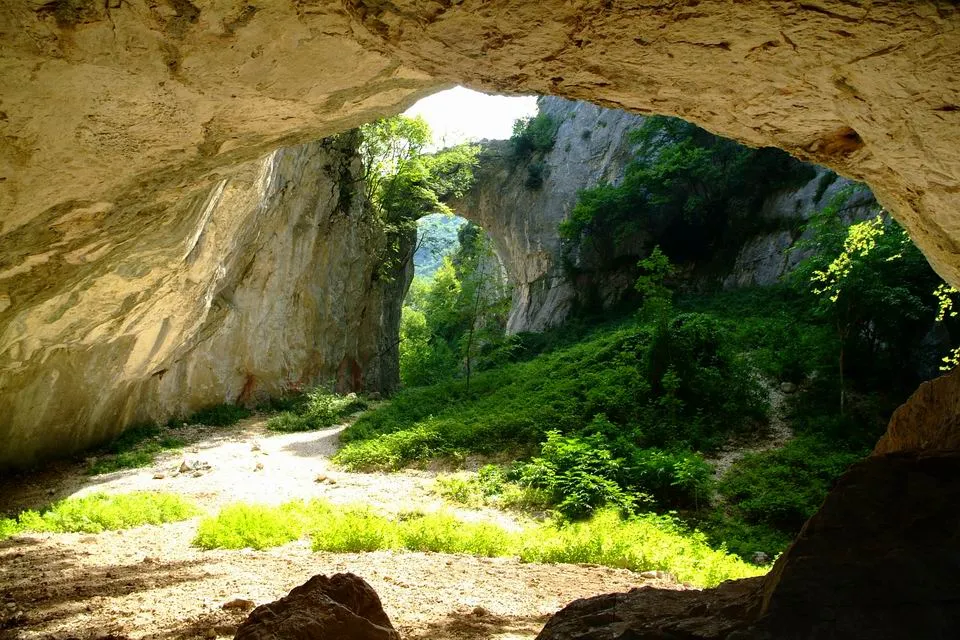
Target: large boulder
[658, 614]
[342, 607]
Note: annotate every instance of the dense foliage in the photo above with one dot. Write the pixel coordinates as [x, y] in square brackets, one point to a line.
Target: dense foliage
[403, 182]
[451, 320]
[689, 191]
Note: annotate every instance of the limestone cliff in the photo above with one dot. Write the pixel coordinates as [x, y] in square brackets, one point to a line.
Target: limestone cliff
[592, 146]
[265, 281]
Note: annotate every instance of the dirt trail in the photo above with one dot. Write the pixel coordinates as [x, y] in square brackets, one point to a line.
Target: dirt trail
[777, 435]
[150, 583]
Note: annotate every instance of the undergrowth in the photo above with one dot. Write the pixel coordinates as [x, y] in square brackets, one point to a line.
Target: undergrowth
[640, 543]
[319, 408]
[99, 512]
[136, 447]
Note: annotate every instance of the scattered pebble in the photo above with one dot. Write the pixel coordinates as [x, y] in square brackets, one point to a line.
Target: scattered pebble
[185, 467]
[197, 474]
[321, 477]
[255, 446]
[159, 476]
[259, 467]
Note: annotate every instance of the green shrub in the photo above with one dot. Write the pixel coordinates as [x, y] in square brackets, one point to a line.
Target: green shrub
[258, 526]
[784, 487]
[533, 135]
[320, 409]
[219, 415]
[579, 473]
[99, 511]
[138, 446]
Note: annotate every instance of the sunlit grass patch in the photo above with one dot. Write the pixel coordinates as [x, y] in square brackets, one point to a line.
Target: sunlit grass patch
[641, 543]
[99, 512]
[259, 526]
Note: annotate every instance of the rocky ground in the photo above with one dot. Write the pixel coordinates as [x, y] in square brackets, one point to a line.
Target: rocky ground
[150, 583]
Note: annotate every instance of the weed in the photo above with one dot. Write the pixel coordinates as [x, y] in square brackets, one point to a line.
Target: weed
[219, 415]
[136, 447]
[258, 526]
[320, 408]
[99, 512]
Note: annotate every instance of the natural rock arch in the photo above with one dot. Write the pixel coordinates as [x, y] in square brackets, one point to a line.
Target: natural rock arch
[120, 119]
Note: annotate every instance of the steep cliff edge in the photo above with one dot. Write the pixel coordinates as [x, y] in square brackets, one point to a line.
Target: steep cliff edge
[265, 281]
[592, 146]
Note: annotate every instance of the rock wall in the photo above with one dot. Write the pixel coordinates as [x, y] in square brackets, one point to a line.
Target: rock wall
[265, 281]
[116, 118]
[592, 146]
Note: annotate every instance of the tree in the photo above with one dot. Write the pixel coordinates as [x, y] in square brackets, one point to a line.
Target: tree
[403, 183]
[869, 281]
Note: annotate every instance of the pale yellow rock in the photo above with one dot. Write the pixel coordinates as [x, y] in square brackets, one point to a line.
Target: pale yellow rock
[135, 257]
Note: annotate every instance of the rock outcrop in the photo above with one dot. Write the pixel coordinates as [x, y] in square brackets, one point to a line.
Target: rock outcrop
[344, 607]
[928, 421]
[118, 120]
[269, 279]
[129, 100]
[591, 147]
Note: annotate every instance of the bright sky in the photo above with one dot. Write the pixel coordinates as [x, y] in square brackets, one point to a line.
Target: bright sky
[459, 114]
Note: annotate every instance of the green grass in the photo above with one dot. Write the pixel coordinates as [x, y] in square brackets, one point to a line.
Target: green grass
[684, 390]
[257, 526]
[99, 512]
[219, 415]
[318, 409]
[136, 447]
[640, 543]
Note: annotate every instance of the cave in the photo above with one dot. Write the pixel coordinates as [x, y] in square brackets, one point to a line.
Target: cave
[140, 137]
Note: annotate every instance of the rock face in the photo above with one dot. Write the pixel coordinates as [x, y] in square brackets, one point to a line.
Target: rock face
[120, 120]
[928, 421]
[766, 257]
[344, 607]
[591, 147]
[127, 101]
[266, 281]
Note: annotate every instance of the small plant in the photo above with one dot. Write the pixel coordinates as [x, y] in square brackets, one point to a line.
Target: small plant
[257, 526]
[136, 447]
[100, 511]
[320, 409]
[219, 415]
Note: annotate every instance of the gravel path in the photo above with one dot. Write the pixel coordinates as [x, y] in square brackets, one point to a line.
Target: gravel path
[150, 583]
